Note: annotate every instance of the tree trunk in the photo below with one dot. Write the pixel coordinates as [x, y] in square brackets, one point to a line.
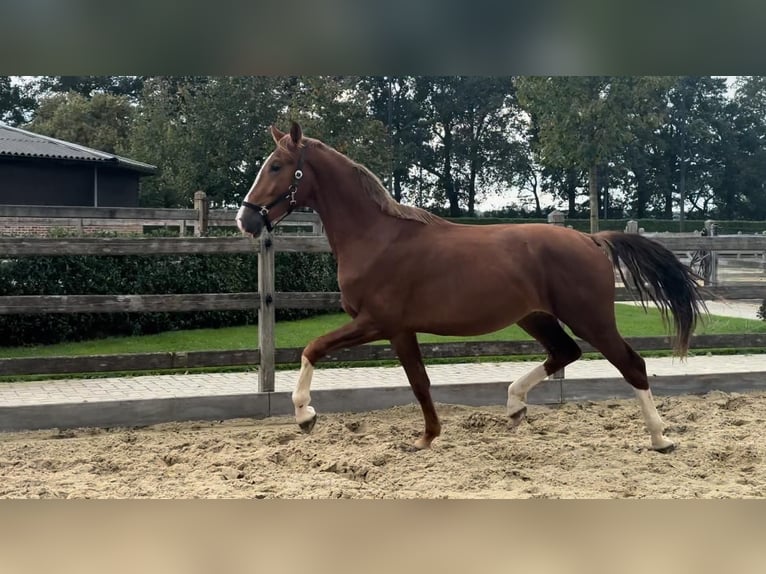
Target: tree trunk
[449, 183]
[642, 193]
[571, 190]
[472, 185]
[682, 195]
[454, 206]
[593, 189]
[538, 208]
[603, 185]
[668, 208]
[398, 187]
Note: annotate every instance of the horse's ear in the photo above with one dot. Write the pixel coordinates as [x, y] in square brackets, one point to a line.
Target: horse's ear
[276, 134]
[296, 133]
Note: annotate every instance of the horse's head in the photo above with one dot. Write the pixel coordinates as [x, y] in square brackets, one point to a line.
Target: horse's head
[279, 186]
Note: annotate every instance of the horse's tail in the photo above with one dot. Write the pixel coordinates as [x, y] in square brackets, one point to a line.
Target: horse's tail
[656, 274]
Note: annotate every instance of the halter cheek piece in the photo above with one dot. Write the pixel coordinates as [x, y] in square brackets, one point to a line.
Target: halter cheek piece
[263, 211]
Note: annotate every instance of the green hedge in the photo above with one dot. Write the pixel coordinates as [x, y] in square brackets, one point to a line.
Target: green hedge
[157, 274]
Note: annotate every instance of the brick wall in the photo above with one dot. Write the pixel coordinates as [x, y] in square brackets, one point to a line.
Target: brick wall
[41, 227]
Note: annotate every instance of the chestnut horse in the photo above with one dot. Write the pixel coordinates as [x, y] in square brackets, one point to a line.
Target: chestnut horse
[402, 271]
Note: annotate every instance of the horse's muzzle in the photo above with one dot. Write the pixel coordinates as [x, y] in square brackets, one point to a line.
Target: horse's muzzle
[249, 221]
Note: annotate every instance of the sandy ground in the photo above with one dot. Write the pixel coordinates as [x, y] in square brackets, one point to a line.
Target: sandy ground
[578, 450]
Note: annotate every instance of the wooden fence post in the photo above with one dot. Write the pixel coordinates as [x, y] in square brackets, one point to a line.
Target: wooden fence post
[202, 207]
[557, 218]
[710, 228]
[266, 315]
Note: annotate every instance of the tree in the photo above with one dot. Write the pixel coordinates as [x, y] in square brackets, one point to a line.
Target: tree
[744, 144]
[88, 86]
[335, 110]
[525, 172]
[565, 183]
[695, 121]
[160, 136]
[15, 102]
[102, 122]
[487, 122]
[642, 175]
[204, 133]
[392, 102]
[470, 122]
[585, 122]
[439, 107]
[520, 169]
[212, 134]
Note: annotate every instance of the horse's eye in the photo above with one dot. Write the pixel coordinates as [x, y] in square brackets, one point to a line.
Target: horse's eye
[275, 167]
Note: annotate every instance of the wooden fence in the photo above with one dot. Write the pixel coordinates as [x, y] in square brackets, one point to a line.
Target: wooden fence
[199, 221]
[266, 300]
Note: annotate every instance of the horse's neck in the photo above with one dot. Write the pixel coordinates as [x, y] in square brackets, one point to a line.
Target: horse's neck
[353, 222]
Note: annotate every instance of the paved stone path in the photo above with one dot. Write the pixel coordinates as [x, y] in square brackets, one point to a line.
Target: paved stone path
[164, 386]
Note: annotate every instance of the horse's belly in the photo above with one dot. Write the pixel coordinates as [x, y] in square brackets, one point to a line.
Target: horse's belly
[471, 316]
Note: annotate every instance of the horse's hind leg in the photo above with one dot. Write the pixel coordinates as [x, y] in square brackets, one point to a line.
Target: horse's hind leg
[562, 350]
[608, 341]
[408, 351]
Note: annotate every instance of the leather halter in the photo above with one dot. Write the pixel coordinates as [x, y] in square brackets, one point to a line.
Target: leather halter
[263, 210]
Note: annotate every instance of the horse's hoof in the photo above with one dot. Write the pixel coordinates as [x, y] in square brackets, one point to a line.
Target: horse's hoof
[412, 447]
[307, 426]
[665, 449]
[518, 417]
[422, 444]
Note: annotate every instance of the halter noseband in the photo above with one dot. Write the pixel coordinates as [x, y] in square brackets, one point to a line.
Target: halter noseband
[263, 211]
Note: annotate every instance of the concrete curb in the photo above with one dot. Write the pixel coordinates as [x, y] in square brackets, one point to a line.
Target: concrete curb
[142, 412]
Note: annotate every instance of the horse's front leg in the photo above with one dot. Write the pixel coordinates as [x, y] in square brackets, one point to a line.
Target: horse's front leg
[358, 332]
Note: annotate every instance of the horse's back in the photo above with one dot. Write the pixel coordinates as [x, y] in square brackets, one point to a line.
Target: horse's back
[523, 240]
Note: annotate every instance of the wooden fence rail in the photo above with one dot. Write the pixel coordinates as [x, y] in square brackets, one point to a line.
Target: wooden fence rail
[38, 304]
[292, 356]
[19, 246]
[267, 301]
[28, 246]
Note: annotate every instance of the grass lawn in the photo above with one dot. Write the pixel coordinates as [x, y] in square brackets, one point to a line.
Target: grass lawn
[632, 321]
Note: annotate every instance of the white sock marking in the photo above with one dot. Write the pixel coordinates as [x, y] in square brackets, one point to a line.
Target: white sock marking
[301, 395]
[517, 390]
[652, 418]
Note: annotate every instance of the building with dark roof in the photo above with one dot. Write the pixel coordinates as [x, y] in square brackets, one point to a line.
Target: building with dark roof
[40, 170]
